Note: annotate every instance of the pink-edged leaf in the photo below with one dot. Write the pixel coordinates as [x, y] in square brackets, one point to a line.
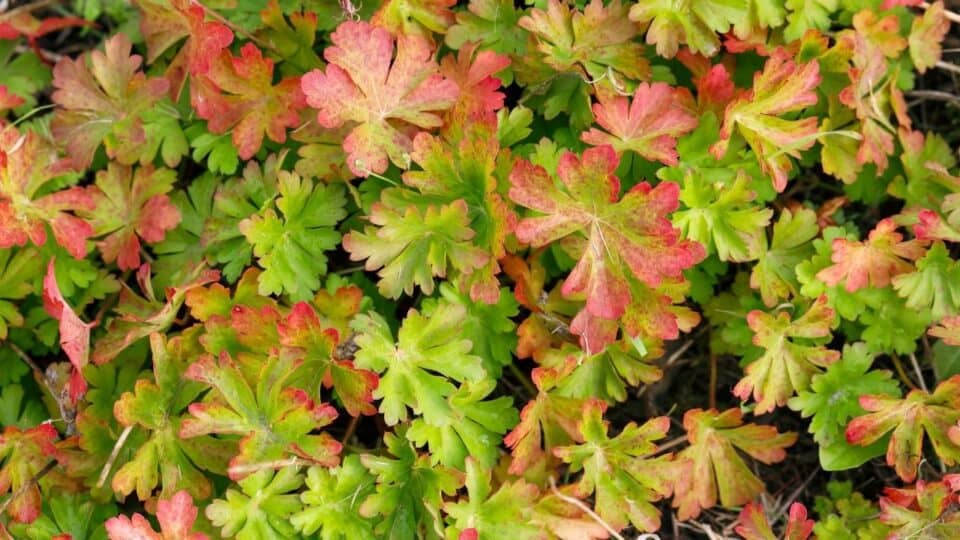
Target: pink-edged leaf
[874, 262]
[753, 524]
[649, 124]
[716, 470]
[176, 516]
[74, 333]
[783, 86]
[631, 232]
[786, 365]
[307, 340]
[909, 418]
[389, 101]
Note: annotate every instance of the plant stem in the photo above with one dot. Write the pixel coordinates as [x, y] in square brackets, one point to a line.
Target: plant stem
[901, 373]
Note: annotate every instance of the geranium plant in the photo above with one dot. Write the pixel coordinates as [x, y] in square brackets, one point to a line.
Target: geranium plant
[427, 269]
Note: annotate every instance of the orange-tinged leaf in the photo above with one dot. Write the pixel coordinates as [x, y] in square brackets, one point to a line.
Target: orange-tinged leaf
[921, 511]
[874, 262]
[908, 418]
[753, 524]
[715, 468]
[786, 365]
[621, 472]
[306, 339]
[546, 422]
[649, 124]
[74, 333]
[176, 516]
[948, 330]
[23, 454]
[388, 102]
[587, 42]
[27, 165]
[237, 94]
[926, 37]
[783, 86]
[130, 205]
[104, 101]
[9, 100]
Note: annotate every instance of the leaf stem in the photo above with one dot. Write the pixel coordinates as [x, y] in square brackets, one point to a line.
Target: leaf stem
[524, 380]
[901, 373]
[918, 372]
[105, 472]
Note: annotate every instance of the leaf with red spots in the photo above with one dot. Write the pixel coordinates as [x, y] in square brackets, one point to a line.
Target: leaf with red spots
[874, 262]
[909, 418]
[237, 94]
[176, 516]
[27, 165]
[131, 204]
[649, 124]
[715, 468]
[388, 102]
[783, 86]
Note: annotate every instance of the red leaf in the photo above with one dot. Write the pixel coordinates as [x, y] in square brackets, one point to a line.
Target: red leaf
[648, 125]
[130, 204]
[24, 453]
[165, 22]
[74, 333]
[251, 105]
[473, 72]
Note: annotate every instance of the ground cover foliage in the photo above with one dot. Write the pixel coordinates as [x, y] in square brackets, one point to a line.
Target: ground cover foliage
[479, 270]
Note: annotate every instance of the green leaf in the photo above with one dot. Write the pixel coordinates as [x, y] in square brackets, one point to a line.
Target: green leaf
[935, 285]
[506, 513]
[418, 370]
[331, 503]
[261, 508]
[410, 491]
[833, 399]
[291, 249]
[17, 411]
[774, 274]
[946, 361]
